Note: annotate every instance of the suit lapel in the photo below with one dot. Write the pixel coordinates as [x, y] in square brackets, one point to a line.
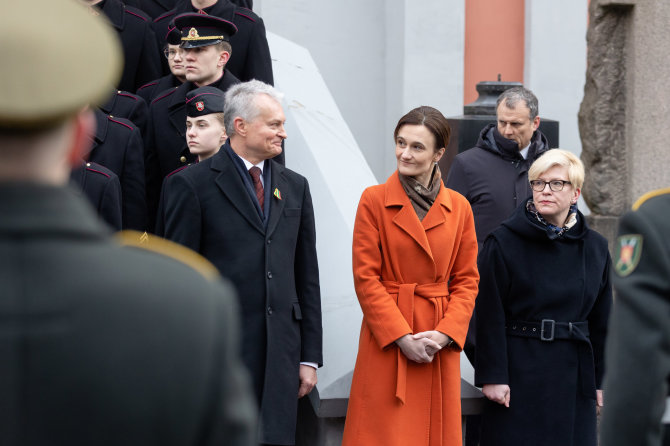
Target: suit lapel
[406, 218]
[232, 186]
[279, 183]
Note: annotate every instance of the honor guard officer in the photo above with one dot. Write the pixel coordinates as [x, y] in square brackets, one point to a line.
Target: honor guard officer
[102, 188]
[123, 104]
[251, 59]
[141, 58]
[205, 41]
[101, 343]
[638, 345]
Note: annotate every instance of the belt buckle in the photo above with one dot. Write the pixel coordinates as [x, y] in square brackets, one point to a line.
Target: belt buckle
[552, 326]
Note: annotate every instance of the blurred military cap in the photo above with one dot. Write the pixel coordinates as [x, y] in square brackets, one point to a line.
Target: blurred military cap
[56, 57]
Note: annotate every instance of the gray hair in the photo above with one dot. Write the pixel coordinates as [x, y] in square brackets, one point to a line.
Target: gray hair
[512, 96]
[240, 102]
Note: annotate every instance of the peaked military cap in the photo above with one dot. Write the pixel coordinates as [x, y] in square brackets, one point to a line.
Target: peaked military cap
[204, 101]
[202, 30]
[44, 80]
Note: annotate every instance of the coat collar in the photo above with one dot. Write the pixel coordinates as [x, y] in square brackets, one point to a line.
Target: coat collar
[406, 217]
[102, 126]
[232, 186]
[114, 10]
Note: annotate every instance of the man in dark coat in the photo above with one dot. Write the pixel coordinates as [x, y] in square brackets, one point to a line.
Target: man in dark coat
[205, 41]
[102, 344]
[123, 104]
[141, 57]
[250, 58]
[156, 8]
[102, 188]
[254, 220]
[117, 145]
[638, 349]
[174, 55]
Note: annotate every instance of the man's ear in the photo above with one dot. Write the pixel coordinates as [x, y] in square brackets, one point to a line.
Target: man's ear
[240, 126]
[84, 126]
[223, 59]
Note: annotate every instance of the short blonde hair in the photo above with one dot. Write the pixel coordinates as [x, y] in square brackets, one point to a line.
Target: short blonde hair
[559, 157]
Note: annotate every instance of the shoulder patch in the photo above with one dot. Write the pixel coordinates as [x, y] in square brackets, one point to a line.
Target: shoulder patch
[649, 195]
[627, 253]
[170, 249]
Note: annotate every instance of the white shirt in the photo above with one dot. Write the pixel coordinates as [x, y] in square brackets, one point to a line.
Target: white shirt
[524, 151]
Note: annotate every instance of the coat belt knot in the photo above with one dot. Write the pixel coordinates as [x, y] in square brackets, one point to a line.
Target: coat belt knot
[406, 293]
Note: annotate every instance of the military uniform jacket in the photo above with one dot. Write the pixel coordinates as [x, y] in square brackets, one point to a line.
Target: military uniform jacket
[150, 91]
[141, 55]
[209, 208]
[153, 8]
[102, 188]
[118, 146]
[165, 143]
[638, 347]
[123, 104]
[108, 345]
[251, 54]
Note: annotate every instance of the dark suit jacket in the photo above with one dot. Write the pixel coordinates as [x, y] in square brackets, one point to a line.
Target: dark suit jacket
[165, 146]
[102, 188]
[251, 54]
[118, 146]
[209, 208]
[109, 345]
[141, 55]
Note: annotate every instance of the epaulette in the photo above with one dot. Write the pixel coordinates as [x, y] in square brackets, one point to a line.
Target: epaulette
[164, 16]
[116, 120]
[137, 13]
[178, 169]
[169, 249]
[164, 96]
[97, 168]
[148, 85]
[247, 15]
[127, 94]
[649, 195]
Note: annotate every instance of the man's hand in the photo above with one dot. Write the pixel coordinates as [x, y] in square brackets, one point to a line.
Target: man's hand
[307, 380]
[417, 349]
[499, 393]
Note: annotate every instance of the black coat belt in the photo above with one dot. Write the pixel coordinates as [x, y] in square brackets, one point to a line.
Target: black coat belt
[549, 330]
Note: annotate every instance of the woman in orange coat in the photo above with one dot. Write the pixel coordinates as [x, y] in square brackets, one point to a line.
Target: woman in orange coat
[415, 273]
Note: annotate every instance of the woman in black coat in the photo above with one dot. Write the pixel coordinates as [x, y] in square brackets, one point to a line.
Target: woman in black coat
[542, 310]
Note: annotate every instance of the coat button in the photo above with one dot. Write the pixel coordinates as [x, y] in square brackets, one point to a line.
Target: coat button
[269, 310]
[269, 274]
[269, 241]
[182, 159]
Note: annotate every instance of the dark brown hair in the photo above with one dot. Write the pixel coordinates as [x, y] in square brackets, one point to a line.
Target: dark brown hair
[432, 119]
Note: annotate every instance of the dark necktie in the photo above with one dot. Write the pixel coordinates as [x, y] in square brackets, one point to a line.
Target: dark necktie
[255, 173]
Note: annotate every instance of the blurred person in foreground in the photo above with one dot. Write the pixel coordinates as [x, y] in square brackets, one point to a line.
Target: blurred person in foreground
[415, 274]
[638, 347]
[101, 343]
[542, 310]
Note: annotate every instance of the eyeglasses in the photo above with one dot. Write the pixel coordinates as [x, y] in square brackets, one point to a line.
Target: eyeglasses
[170, 53]
[554, 185]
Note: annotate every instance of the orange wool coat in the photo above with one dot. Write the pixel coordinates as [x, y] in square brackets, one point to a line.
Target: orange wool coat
[401, 270]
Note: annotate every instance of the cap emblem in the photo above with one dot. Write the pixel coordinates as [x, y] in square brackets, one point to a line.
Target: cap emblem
[193, 33]
[200, 105]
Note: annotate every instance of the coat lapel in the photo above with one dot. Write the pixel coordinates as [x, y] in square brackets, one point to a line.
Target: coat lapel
[278, 182]
[406, 217]
[177, 108]
[437, 214]
[232, 186]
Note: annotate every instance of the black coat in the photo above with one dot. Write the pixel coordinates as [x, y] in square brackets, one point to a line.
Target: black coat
[493, 180]
[141, 55]
[525, 278]
[251, 54]
[102, 188]
[165, 147]
[638, 351]
[132, 107]
[209, 208]
[109, 345]
[155, 88]
[153, 8]
[118, 146]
